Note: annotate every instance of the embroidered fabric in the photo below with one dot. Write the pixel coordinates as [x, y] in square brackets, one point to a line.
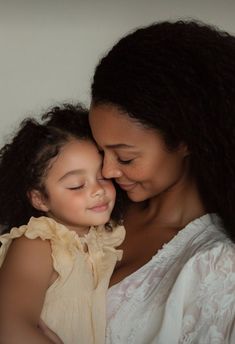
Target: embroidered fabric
[184, 294]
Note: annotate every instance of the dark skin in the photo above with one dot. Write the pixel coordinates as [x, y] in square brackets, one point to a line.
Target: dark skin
[163, 195]
[144, 237]
[137, 248]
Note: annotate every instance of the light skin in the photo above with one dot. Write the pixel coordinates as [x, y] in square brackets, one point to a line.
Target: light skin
[78, 197]
[78, 194]
[164, 197]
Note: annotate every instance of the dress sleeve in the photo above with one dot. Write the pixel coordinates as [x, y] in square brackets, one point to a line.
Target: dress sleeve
[64, 243]
[207, 286]
[113, 239]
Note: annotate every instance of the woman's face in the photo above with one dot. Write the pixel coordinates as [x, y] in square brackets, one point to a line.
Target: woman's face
[135, 156]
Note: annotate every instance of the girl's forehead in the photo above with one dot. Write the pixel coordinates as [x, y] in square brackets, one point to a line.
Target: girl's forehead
[75, 155]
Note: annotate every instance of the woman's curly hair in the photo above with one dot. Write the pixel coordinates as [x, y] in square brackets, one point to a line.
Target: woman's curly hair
[179, 78]
[25, 160]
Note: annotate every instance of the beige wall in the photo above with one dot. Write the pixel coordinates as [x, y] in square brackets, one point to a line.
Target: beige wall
[49, 48]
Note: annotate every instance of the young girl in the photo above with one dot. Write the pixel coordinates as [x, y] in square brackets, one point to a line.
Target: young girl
[54, 264]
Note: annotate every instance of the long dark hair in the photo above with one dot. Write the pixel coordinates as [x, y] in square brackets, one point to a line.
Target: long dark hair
[179, 78]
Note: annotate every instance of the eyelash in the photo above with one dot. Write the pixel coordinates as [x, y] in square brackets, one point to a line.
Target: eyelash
[77, 187]
[83, 185]
[125, 162]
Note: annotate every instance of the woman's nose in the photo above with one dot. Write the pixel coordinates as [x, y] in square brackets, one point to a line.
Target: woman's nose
[110, 169]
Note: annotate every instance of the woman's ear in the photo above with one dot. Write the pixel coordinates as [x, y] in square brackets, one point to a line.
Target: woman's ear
[183, 148]
[38, 200]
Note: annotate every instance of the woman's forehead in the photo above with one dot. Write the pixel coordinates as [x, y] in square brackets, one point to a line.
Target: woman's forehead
[104, 116]
[109, 121]
[114, 129]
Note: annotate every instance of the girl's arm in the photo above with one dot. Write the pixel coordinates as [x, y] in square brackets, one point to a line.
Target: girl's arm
[49, 333]
[24, 278]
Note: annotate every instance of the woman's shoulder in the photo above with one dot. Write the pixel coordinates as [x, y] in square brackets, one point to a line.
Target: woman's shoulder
[212, 240]
[207, 246]
[211, 262]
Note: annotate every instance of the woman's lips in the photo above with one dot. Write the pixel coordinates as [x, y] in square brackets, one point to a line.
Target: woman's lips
[127, 187]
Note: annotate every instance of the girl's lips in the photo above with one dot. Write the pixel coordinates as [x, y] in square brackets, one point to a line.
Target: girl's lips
[127, 187]
[99, 208]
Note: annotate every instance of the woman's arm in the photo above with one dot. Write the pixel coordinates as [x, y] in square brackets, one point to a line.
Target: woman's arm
[24, 278]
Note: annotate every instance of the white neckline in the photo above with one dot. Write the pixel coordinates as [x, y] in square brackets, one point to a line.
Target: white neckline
[187, 234]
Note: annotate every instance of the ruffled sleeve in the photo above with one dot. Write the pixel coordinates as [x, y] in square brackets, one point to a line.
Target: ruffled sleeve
[102, 251]
[75, 304]
[64, 243]
[101, 239]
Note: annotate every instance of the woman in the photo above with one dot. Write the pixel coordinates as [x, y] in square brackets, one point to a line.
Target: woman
[163, 114]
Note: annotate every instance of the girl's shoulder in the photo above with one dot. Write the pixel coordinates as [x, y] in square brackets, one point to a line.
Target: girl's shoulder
[41, 231]
[42, 227]
[42, 238]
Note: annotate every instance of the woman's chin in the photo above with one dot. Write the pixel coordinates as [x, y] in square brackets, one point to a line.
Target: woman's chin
[136, 197]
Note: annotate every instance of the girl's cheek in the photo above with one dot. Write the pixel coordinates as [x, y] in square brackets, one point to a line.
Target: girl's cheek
[112, 190]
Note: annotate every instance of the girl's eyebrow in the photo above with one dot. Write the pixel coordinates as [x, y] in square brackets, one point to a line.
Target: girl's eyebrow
[77, 172]
[71, 173]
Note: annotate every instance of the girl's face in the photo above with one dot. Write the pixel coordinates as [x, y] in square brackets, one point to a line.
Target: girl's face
[136, 157]
[78, 194]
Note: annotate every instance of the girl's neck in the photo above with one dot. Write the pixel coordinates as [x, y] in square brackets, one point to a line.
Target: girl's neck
[80, 230]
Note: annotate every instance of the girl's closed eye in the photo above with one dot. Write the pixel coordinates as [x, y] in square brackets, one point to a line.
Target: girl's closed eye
[78, 187]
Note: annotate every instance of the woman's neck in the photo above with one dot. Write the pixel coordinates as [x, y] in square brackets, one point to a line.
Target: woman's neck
[174, 208]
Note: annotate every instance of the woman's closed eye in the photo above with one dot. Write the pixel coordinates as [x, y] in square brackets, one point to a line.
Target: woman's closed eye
[125, 161]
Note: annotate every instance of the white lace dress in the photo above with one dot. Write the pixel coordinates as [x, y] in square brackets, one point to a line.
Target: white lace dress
[184, 294]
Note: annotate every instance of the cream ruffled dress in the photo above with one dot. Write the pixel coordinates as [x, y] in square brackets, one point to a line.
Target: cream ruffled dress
[74, 306]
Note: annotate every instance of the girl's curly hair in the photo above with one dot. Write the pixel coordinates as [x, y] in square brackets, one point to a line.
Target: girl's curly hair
[179, 78]
[25, 160]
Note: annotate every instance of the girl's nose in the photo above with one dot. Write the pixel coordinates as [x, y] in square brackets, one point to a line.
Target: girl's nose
[98, 190]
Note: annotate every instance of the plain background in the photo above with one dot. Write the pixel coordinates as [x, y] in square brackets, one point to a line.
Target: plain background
[49, 48]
